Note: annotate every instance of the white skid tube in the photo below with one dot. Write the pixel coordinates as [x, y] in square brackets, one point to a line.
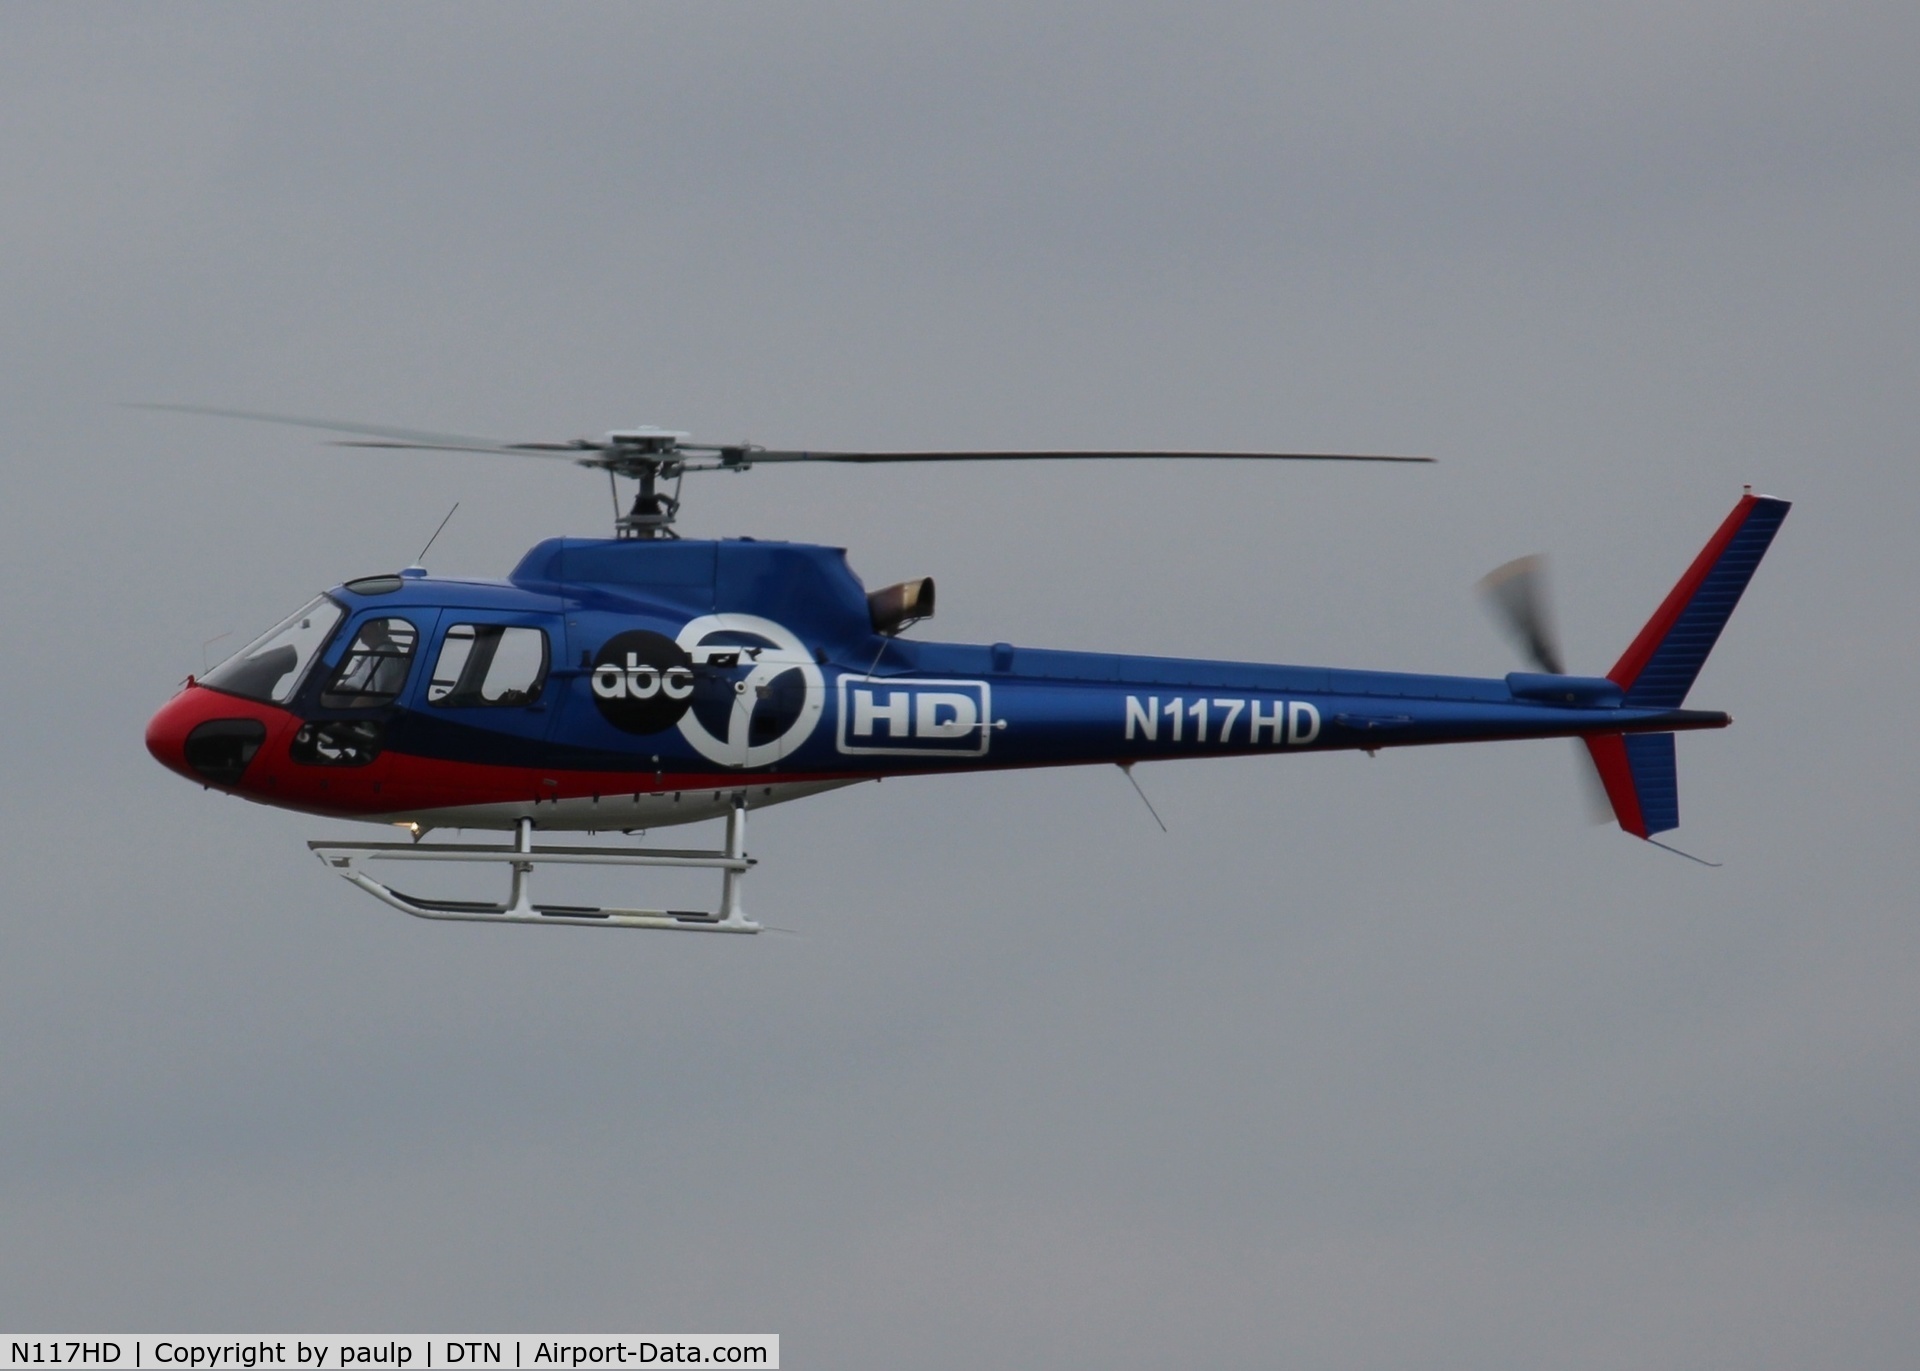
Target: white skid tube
[522, 856]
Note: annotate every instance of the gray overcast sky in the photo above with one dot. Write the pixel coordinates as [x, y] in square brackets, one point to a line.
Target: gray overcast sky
[1367, 1062]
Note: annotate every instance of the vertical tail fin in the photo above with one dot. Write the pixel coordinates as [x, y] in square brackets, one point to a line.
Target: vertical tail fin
[1642, 780]
[1660, 666]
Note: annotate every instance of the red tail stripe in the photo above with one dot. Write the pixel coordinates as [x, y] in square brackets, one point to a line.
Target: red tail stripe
[1634, 660]
[1610, 760]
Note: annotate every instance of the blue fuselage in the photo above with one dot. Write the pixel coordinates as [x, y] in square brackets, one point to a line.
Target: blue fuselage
[607, 683]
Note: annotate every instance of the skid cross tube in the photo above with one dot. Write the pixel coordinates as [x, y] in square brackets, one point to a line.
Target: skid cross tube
[522, 856]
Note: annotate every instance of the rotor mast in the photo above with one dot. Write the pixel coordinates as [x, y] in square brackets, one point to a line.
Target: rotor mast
[647, 457]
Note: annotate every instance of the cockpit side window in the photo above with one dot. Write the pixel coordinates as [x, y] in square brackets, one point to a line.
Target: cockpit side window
[375, 666]
[489, 664]
[271, 667]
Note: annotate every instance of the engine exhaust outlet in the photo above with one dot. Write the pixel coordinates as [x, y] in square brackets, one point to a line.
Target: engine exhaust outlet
[894, 608]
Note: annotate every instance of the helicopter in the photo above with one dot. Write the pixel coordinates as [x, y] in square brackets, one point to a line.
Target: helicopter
[619, 685]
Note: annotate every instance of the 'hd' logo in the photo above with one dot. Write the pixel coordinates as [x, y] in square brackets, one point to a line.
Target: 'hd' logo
[895, 717]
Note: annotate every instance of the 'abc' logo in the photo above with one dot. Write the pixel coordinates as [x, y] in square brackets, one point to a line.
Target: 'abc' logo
[642, 682]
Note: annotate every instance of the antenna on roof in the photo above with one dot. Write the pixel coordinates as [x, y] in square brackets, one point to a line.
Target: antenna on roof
[420, 561]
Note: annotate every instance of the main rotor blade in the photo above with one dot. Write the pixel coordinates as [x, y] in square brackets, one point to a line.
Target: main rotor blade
[395, 437]
[755, 456]
[1516, 593]
[516, 449]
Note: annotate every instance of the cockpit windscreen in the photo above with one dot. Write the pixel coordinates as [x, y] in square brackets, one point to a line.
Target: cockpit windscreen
[270, 667]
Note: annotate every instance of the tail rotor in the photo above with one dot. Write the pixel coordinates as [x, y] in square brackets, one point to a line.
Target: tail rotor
[1516, 595]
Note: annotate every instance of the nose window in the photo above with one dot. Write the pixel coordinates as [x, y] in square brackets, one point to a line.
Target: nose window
[489, 664]
[375, 666]
[271, 666]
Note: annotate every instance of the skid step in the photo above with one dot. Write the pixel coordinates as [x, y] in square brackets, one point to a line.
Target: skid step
[349, 858]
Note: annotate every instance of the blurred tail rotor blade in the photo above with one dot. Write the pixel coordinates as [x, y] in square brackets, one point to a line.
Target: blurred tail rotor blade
[1516, 594]
[1592, 789]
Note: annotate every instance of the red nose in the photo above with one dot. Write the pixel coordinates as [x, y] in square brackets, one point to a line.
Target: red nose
[208, 736]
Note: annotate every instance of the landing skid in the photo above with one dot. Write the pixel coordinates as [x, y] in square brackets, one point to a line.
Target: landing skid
[522, 856]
